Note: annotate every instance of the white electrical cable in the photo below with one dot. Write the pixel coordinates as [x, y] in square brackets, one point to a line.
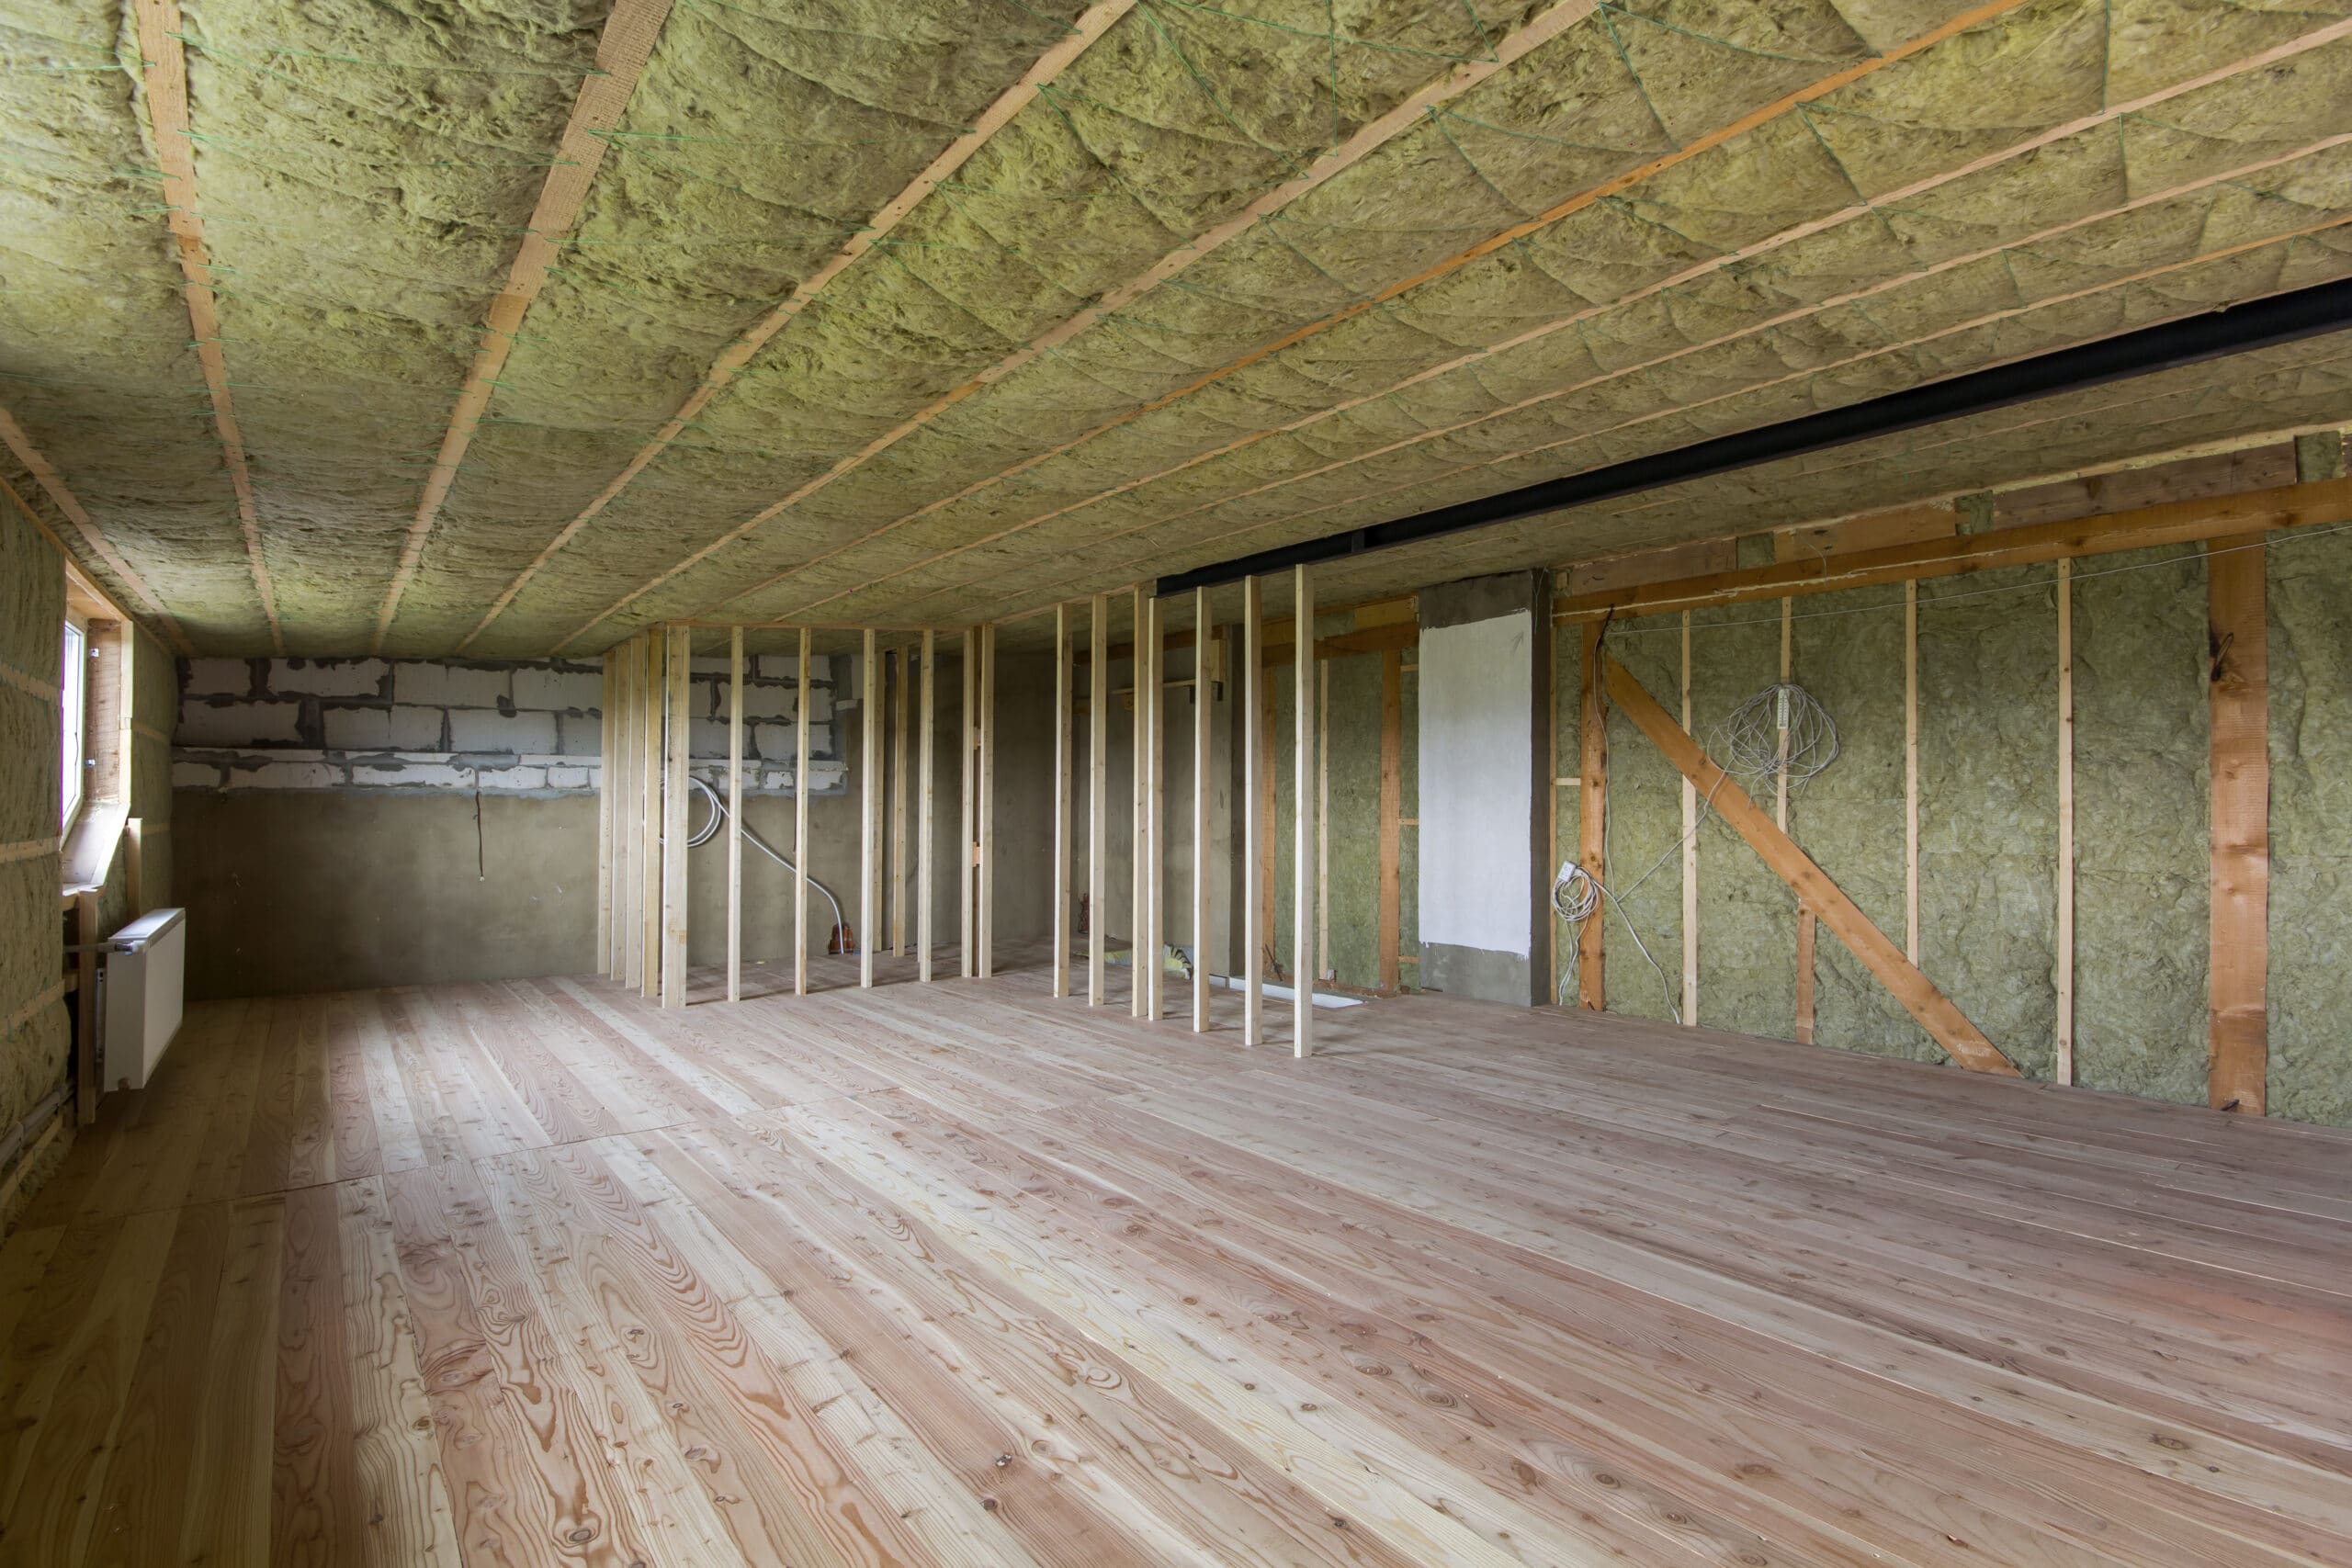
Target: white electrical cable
[694, 840]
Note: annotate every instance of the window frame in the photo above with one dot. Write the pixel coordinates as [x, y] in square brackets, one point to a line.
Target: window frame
[73, 722]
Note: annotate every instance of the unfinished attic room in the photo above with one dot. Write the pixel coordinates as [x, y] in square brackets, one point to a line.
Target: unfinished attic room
[1006, 783]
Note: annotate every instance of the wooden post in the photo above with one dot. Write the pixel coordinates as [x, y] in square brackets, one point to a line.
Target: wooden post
[628, 669]
[1062, 799]
[1910, 771]
[2065, 1069]
[1552, 793]
[1097, 782]
[604, 874]
[1805, 1003]
[1961, 1040]
[2238, 1037]
[134, 849]
[1156, 813]
[869, 807]
[1593, 820]
[1322, 818]
[986, 791]
[1302, 851]
[649, 748]
[1139, 831]
[735, 814]
[967, 782]
[1200, 810]
[1248, 700]
[1392, 812]
[923, 823]
[87, 1085]
[676, 736]
[800, 828]
[898, 860]
[1689, 859]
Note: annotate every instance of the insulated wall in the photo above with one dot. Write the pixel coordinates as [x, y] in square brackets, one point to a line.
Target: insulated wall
[33, 1025]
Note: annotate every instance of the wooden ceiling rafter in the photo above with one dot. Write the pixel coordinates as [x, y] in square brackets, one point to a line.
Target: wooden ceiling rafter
[1974, 324]
[626, 43]
[1224, 543]
[163, 78]
[54, 484]
[1713, 264]
[1084, 33]
[1614, 185]
[1374, 135]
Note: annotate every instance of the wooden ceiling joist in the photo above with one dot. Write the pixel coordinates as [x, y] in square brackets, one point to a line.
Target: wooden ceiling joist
[630, 32]
[1376, 134]
[1511, 235]
[738, 354]
[46, 476]
[1226, 542]
[1689, 274]
[164, 75]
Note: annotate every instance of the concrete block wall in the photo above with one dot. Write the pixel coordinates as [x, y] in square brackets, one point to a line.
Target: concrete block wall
[519, 727]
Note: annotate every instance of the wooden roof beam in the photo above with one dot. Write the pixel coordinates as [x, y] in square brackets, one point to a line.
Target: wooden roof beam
[627, 42]
[47, 476]
[163, 77]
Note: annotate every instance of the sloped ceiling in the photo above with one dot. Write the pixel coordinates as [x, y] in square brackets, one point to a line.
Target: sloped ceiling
[509, 328]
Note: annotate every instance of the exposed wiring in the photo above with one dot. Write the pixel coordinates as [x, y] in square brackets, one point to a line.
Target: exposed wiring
[710, 828]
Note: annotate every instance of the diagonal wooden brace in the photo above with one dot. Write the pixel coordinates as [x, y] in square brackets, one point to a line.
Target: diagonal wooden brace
[1960, 1040]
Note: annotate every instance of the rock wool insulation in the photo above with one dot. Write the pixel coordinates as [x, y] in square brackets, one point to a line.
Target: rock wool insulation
[955, 427]
[33, 1033]
[1988, 815]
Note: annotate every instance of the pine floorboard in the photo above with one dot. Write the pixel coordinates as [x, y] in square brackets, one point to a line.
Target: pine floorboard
[530, 1272]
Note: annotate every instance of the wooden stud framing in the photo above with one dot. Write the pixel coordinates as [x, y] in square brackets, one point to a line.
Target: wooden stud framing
[1303, 854]
[735, 815]
[1256, 771]
[1391, 811]
[1592, 819]
[986, 791]
[1062, 698]
[1689, 859]
[620, 782]
[1961, 1040]
[1550, 802]
[2064, 1071]
[2238, 1037]
[1153, 860]
[1202, 691]
[1322, 819]
[869, 807]
[967, 782]
[605, 819]
[1805, 934]
[800, 826]
[676, 731]
[1098, 782]
[649, 751]
[86, 936]
[1139, 830]
[1910, 770]
[923, 894]
[899, 693]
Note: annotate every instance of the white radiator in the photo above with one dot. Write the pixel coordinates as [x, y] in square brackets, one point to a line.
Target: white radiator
[141, 1012]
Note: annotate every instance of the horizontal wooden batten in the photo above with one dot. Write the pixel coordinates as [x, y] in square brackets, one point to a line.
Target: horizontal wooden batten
[2173, 523]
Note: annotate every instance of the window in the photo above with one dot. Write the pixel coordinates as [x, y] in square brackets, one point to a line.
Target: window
[72, 686]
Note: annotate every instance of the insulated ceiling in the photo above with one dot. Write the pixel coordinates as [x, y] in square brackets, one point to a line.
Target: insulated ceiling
[509, 328]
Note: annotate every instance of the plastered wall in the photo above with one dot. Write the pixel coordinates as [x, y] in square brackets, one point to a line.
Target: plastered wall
[1988, 817]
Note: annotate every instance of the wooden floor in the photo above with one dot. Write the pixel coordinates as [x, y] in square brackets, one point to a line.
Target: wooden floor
[533, 1273]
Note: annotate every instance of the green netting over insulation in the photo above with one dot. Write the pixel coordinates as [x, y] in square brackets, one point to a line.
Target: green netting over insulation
[364, 171]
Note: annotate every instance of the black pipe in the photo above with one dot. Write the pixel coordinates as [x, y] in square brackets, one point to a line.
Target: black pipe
[2260, 323]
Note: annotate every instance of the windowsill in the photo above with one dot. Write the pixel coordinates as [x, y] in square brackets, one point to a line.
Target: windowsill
[91, 846]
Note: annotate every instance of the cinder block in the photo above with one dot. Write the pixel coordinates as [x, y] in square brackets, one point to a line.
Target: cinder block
[286, 775]
[769, 702]
[828, 778]
[195, 775]
[571, 778]
[774, 743]
[773, 666]
[566, 690]
[358, 730]
[219, 677]
[436, 684]
[327, 677]
[411, 775]
[820, 741]
[707, 737]
[821, 704]
[417, 730]
[486, 729]
[580, 735]
[516, 778]
[233, 724]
